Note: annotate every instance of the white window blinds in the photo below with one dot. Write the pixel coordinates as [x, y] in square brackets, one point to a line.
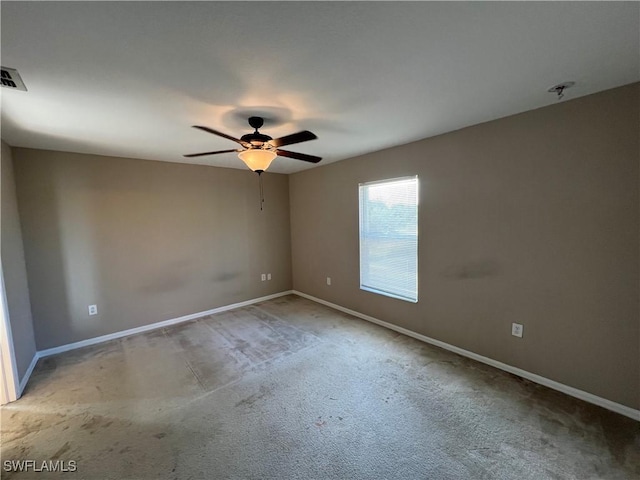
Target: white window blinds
[389, 238]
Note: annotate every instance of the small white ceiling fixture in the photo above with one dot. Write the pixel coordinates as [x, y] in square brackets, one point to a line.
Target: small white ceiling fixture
[560, 88]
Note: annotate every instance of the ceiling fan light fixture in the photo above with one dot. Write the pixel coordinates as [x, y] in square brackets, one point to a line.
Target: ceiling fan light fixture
[257, 159]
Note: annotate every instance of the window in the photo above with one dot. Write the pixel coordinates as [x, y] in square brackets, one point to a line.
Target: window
[389, 238]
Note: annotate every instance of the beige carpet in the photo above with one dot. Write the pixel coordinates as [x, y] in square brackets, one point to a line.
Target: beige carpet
[292, 389]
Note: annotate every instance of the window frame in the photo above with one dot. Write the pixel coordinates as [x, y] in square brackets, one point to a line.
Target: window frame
[361, 212]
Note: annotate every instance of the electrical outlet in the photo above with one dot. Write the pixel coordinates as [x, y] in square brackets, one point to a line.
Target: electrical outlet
[263, 277]
[516, 330]
[93, 309]
[268, 276]
[328, 280]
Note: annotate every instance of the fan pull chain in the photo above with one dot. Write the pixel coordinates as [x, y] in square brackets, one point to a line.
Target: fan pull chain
[261, 190]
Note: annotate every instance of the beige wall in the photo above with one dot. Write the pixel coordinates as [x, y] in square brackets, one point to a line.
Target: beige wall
[532, 219]
[14, 269]
[145, 241]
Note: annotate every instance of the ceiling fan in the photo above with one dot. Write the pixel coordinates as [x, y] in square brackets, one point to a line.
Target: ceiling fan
[259, 150]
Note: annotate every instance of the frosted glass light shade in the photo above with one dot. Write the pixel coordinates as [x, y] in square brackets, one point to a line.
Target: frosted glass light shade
[257, 159]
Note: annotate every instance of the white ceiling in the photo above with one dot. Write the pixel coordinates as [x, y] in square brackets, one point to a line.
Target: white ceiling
[130, 78]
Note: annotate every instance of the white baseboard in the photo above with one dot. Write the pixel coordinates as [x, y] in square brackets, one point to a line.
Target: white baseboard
[574, 392]
[27, 374]
[124, 333]
[152, 326]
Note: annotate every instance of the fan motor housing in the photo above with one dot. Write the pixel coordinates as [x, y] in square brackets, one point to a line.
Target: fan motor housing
[255, 138]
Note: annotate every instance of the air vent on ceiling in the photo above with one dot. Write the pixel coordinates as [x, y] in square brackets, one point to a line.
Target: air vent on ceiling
[11, 79]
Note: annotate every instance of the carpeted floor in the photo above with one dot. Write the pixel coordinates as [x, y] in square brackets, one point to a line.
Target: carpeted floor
[290, 389]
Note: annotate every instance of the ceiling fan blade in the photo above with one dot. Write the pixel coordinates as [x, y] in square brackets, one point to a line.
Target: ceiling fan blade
[299, 137]
[299, 156]
[191, 155]
[220, 134]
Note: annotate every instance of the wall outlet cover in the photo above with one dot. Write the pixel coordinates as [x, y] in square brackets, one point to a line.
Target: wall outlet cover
[516, 330]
